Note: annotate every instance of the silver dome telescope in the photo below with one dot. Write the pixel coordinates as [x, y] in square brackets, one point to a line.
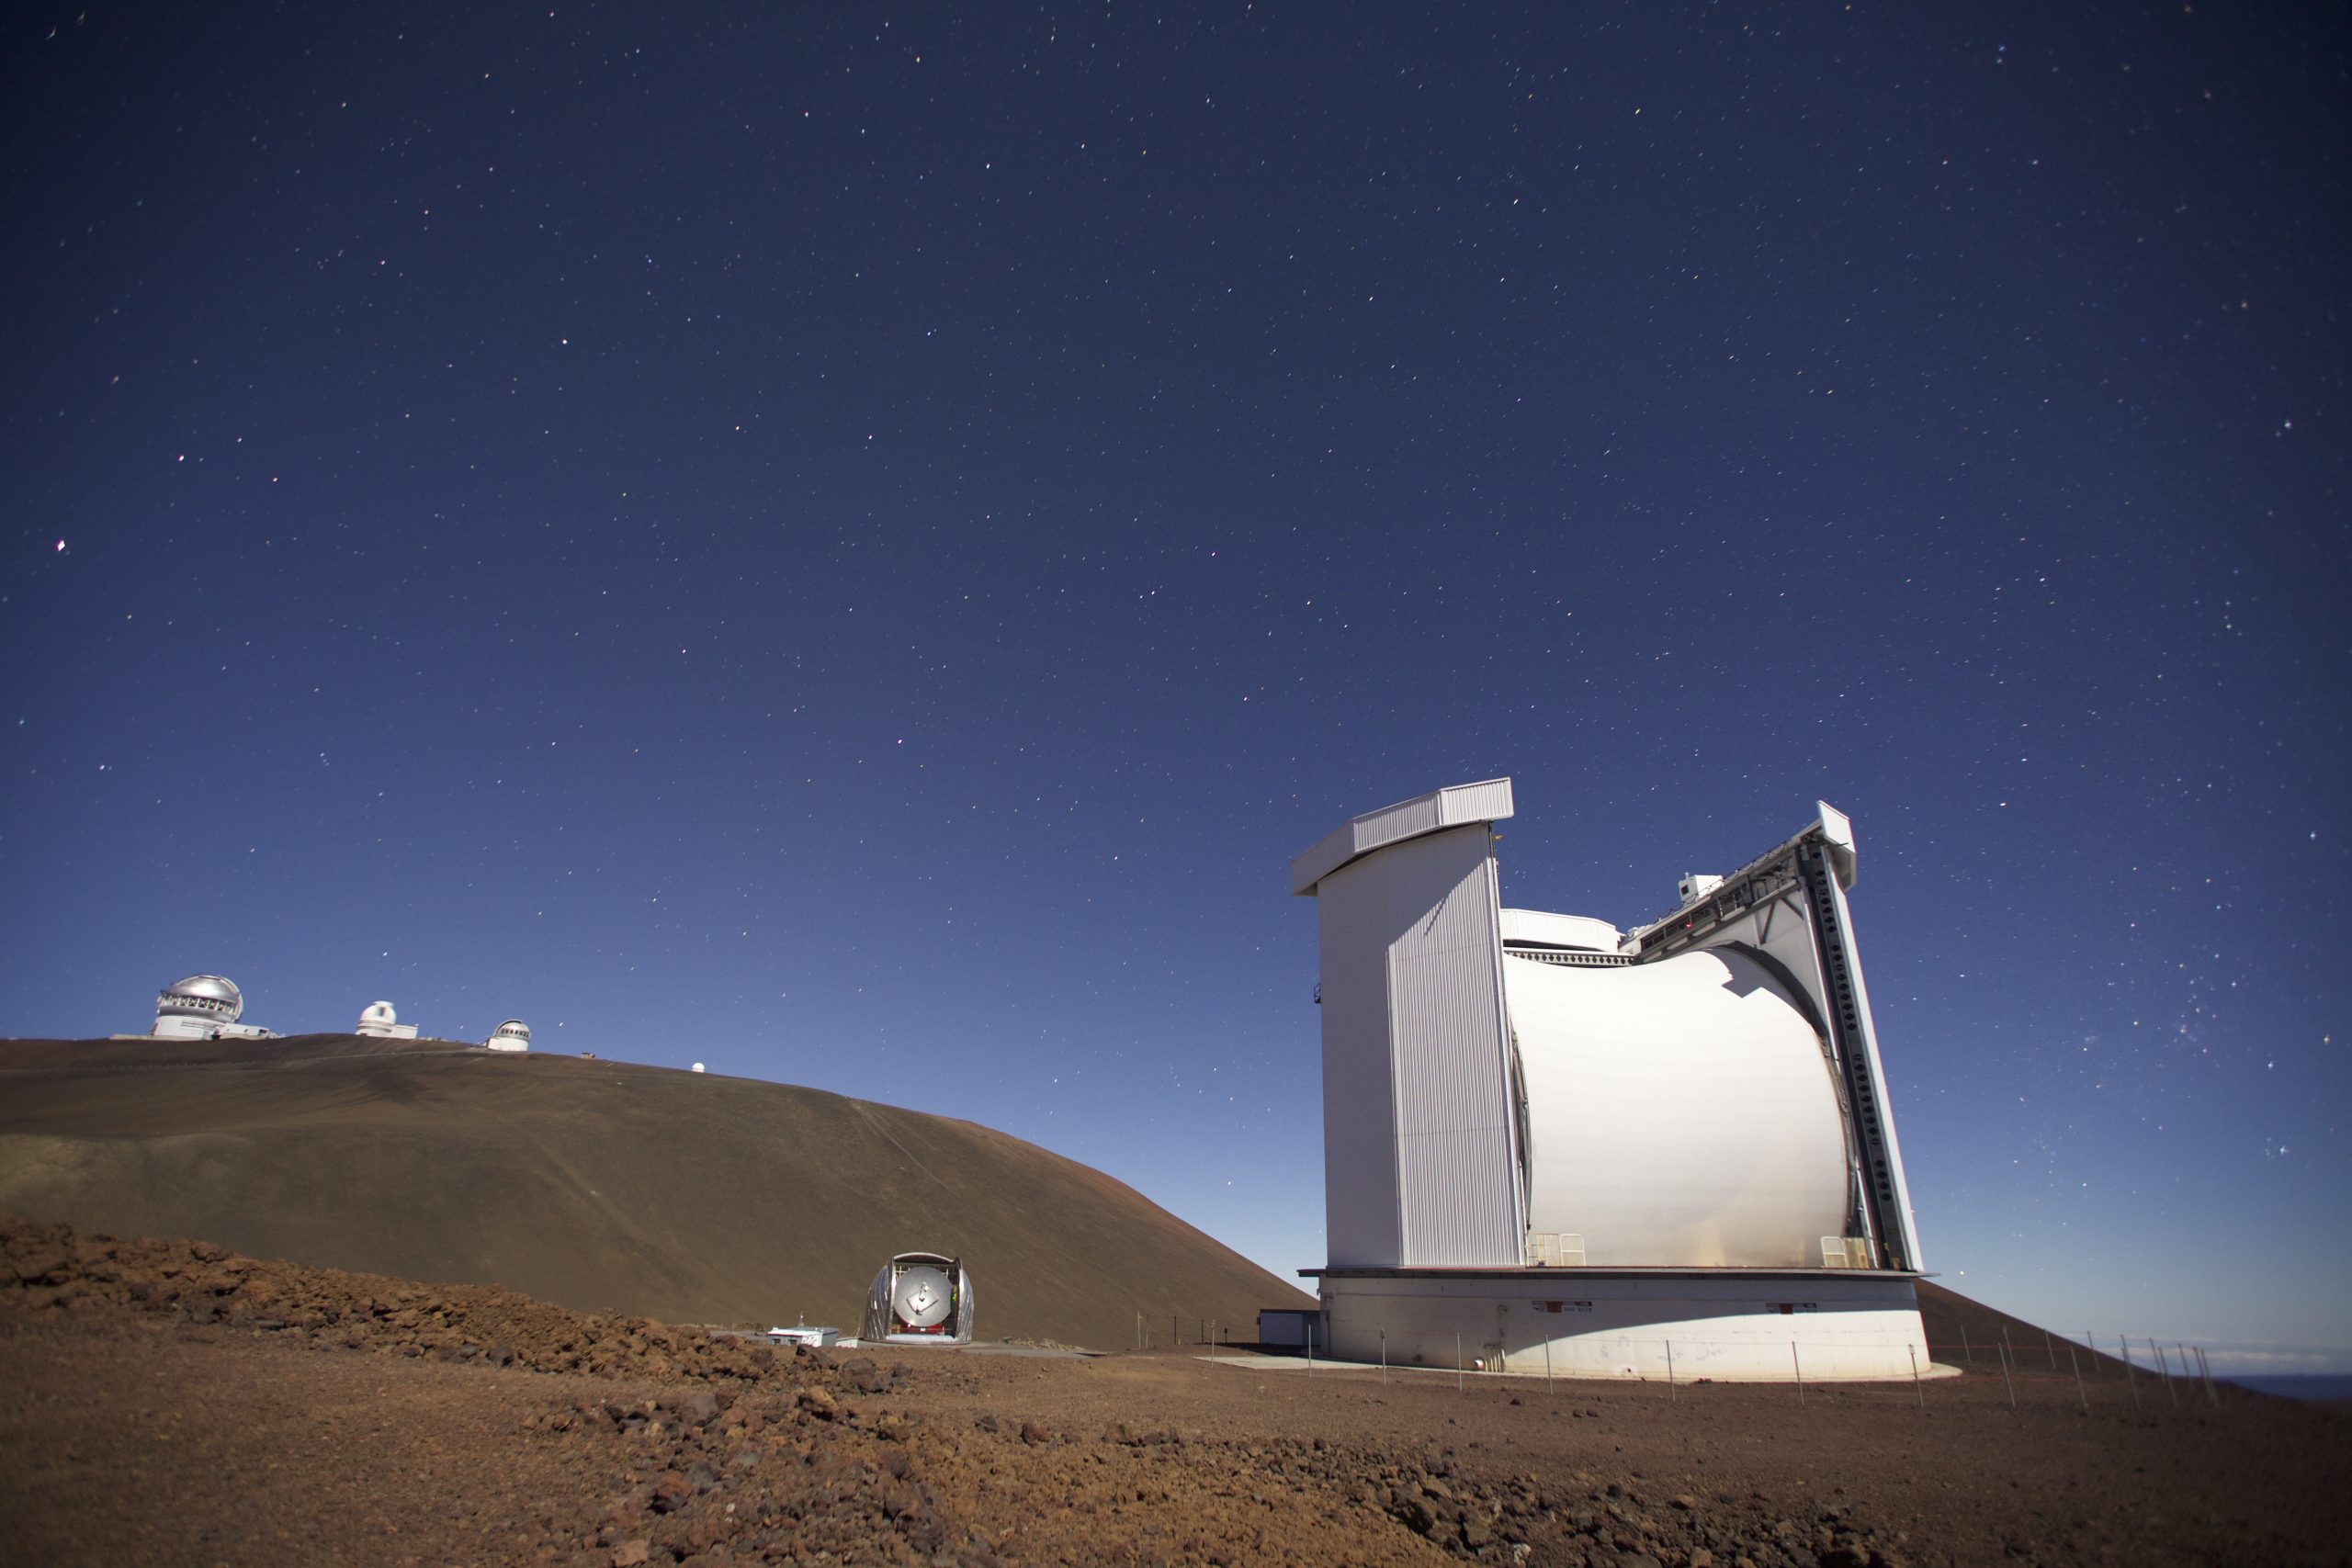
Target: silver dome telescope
[204, 1007]
[212, 996]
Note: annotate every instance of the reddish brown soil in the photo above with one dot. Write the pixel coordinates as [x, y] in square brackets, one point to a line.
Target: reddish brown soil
[165, 1402]
[593, 1184]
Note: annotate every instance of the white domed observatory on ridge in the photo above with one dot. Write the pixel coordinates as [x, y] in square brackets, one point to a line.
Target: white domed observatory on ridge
[513, 1036]
[204, 1007]
[379, 1020]
[1661, 1153]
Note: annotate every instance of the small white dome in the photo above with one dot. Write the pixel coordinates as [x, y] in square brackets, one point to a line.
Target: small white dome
[379, 1012]
[202, 995]
[512, 1035]
[697, 1066]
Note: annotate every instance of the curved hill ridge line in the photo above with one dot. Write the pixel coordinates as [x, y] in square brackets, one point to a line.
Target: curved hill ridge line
[594, 1184]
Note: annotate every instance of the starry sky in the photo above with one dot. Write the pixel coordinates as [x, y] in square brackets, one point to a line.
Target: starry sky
[855, 544]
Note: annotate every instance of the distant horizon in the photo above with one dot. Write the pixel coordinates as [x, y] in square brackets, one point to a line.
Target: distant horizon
[2328, 1386]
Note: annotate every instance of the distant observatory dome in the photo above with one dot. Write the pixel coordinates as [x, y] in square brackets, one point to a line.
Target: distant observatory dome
[209, 997]
[203, 1007]
[379, 1020]
[512, 1035]
[697, 1066]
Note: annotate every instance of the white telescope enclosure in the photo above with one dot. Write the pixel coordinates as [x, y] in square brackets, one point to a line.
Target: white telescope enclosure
[1679, 1128]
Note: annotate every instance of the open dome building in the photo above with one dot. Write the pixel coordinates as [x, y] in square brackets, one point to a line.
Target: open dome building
[514, 1035]
[203, 1007]
[920, 1298]
[1667, 1152]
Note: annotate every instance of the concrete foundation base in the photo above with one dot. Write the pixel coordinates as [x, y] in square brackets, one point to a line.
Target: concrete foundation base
[1728, 1325]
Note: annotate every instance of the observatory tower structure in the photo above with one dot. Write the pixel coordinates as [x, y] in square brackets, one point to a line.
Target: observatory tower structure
[1664, 1151]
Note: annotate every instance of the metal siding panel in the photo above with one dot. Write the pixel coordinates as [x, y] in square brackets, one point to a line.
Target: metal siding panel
[1405, 820]
[1334, 850]
[1359, 1207]
[1455, 805]
[1455, 1179]
[1486, 801]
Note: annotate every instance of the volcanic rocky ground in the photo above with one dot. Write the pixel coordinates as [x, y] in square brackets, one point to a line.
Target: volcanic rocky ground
[175, 1402]
[595, 1184]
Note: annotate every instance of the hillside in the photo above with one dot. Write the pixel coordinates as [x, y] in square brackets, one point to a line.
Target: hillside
[1964, 1333]
[168, 1403]
[592, 1184]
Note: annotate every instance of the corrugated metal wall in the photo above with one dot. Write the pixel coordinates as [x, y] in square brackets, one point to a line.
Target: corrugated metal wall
[1455, 806]
[1426, 1018]
[1361, 1215]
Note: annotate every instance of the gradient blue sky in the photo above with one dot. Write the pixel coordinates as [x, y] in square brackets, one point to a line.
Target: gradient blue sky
[853, 545]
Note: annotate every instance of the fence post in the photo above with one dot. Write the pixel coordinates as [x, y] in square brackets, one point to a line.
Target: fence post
[2164, 1371]
[1917, 1387]
[2046, 1345]
[2005, 1370]
[1457, 1360]
[1383, 1358]
[1310, 1338]
[2131, 1371]
[2092, 1342]
[1671, 1392]
[1547, 1361]
[2077, 1363]
[1966, 1353]
[2211, 1393]
[1800, 1367]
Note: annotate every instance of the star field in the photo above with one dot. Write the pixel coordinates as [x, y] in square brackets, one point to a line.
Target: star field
[854, 546]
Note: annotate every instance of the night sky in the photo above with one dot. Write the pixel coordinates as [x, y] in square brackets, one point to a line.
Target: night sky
[854, 545]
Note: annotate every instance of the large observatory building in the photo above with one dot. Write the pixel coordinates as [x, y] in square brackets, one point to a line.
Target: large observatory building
[204, 1007]
[1667, 1152]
